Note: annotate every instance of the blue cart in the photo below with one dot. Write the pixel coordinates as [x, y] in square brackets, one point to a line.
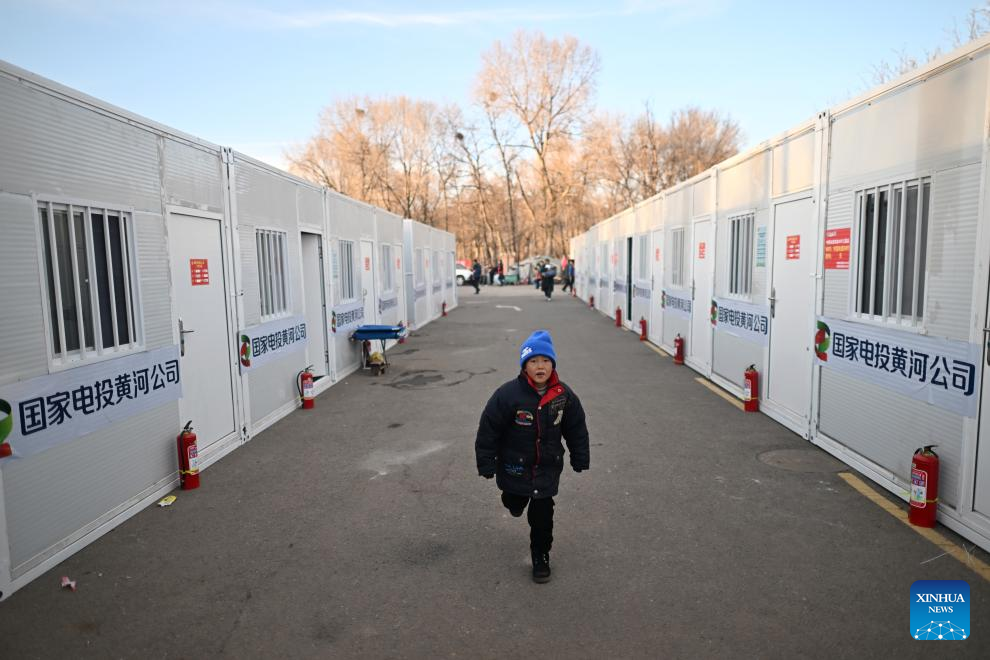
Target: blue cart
[368, 333]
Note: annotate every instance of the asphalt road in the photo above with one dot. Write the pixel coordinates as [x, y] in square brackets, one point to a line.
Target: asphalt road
[360, 529]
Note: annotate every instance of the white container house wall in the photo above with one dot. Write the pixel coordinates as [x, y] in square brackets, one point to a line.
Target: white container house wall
[91, 195]
[417, 248]
[862, 235]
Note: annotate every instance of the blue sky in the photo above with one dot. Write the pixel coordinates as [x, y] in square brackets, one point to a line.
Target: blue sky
[254, 74]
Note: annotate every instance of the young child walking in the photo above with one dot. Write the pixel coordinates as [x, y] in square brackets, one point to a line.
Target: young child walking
[519, 442]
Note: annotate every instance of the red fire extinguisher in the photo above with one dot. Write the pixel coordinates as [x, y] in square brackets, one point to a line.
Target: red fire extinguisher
[924, 487]
[678, 349]
[618, 317]
[305, 387]
[751, 389]
[591, 301]
[642, 328]
[443, 309]
[188, 458]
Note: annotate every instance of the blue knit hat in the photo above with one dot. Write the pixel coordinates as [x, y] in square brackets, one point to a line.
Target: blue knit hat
[538, 343]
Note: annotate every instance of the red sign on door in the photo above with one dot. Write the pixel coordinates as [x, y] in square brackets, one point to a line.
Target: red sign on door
[658, 254]
[367, 263]
[199, 272]
[837, 249]
[701, 250]
[398, 264]
[794, 247]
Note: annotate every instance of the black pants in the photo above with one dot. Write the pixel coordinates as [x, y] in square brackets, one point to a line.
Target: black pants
[539, 515]
[474, 281]
[567, 283]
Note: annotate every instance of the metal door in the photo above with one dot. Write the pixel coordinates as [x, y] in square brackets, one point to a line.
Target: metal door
[315, 302]
[702, 258]
[628, 297]
[655, 328]
[368, 291]
[199, 287]
[792, 289]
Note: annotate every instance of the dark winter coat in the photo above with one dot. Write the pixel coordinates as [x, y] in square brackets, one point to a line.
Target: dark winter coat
[521, 437]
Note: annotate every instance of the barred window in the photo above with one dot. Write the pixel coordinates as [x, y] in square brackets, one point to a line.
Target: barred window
[419, 274]
[388, 276]
[677, 257]
[892, 238]
[644, 258]
[272, 272]
[90, 271]
[741, 255]
[347, 270]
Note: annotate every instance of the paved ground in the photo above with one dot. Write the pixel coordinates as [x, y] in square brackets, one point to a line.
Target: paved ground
[360, 529]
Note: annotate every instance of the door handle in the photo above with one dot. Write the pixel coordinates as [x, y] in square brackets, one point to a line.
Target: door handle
[773, 302]
[182, 338]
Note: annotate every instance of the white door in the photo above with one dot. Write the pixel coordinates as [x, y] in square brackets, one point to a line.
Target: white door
[368, 282]
[604, 278]
[702, 258]
[655, 328]
[315, 302]
[792, 291]
[981, 484]
[205, 346]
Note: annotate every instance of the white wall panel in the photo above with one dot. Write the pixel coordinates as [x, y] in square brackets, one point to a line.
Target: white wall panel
[51, 146]
[156, 286]
[931, 123]
[745, 185]
[794, 164]
[192, 176]
[703, 198]
[887, 427]
[840, 214]
[955, 209]
[56, 495]
[24, 350]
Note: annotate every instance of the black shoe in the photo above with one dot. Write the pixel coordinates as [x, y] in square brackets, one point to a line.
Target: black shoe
[541, 567]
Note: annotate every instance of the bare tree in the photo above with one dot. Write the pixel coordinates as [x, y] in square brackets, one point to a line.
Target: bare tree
[548, 86]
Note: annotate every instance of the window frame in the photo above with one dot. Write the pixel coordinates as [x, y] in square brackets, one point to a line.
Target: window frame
[643, 265]
[894, 221]
[347, 271]
[419, 268]
[275, 292]
[387, 276]
[677, 270]
[133, 303]
[742, 232]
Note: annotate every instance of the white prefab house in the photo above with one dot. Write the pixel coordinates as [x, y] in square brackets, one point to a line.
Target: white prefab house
[848, 260]
[152, 278]
[279, 224]
[391, 288]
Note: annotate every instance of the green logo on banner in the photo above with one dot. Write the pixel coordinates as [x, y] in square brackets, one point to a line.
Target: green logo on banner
[823, 339]
[245, 352]
[7, 423]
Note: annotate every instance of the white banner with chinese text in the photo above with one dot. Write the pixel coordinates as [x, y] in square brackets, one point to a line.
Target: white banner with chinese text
[267, 341]
[676, 302]
[48, 410]
[938, 371]
[740, 319]
[347, 316]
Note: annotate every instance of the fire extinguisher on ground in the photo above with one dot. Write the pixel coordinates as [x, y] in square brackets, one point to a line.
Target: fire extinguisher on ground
[924, 487]
[443, 309]
[188, 458]
[591, 301]
[678, 349]
[642, 328]
[305, 387]
[618, 317]
[751, 389]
